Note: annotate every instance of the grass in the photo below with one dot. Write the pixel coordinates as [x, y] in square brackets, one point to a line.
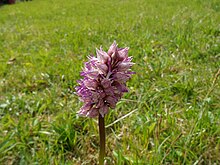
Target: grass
[174, 96]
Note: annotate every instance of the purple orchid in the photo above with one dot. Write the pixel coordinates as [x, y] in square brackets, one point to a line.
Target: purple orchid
[104, 81]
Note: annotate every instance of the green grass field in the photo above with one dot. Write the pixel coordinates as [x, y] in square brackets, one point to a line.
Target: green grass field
[174, 98]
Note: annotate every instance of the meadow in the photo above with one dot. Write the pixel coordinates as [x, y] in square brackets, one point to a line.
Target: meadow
[171, 114]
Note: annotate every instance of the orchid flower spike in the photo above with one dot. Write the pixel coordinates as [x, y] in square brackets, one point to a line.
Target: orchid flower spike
[104, 80]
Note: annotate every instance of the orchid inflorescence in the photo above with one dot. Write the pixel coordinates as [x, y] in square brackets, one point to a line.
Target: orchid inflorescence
[104, 80]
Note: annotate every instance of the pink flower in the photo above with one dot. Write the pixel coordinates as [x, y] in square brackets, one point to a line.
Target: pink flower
[104, 80]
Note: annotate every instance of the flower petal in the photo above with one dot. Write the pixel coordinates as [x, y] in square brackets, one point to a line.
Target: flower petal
[106, 83]
[122, 53]
[111, 100]
[104, 110]
[112, 48]
[102, 68]
[84, 109]
[91, 84]
[94, 112]
[102, 56]
[121, 77]
[123, 66]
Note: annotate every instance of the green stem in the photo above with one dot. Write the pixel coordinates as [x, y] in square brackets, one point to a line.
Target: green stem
[102, 139]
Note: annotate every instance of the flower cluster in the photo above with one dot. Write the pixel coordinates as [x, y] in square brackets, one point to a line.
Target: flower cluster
[104, 80]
